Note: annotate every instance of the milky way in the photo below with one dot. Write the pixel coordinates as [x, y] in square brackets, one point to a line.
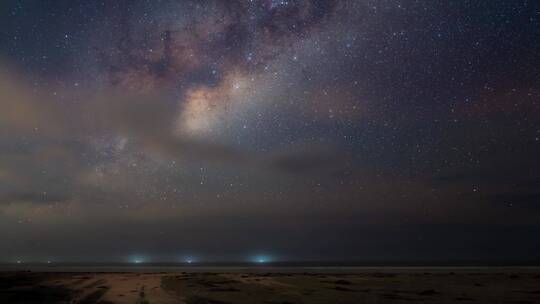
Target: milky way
[307, 129]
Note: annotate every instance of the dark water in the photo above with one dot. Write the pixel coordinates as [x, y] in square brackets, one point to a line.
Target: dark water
[142, 268]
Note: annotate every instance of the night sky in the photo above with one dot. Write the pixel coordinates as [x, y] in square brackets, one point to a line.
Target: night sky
[293, 130]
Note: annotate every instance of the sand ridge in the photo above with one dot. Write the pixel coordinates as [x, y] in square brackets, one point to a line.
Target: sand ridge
[268, 288]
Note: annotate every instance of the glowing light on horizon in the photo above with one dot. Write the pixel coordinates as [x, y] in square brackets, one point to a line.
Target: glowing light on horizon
[261, 259]
[136, 259]
[189, 260]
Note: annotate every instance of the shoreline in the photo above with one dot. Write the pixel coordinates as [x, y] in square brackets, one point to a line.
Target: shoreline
[141, 268]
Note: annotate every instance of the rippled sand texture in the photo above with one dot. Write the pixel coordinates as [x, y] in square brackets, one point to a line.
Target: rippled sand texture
[409, 287]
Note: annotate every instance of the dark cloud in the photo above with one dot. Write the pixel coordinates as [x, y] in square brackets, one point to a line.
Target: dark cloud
[33, 197]
[310, 159]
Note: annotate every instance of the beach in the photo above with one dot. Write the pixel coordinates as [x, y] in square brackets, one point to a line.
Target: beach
[274, 285]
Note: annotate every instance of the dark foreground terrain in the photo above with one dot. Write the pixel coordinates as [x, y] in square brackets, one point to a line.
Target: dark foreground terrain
[368, 287]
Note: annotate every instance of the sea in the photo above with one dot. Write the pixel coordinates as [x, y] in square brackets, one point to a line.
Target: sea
[286, 267]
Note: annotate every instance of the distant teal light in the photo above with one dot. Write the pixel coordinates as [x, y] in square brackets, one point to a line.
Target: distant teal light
[261, 259]
[189, 260]
[136, 260]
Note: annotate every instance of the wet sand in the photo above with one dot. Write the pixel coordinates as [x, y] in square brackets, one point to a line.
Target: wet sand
[388, 286]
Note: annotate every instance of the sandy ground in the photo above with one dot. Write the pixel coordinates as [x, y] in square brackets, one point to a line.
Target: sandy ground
[198, 288]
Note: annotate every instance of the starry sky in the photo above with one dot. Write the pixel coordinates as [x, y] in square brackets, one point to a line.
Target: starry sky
[351, 130]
